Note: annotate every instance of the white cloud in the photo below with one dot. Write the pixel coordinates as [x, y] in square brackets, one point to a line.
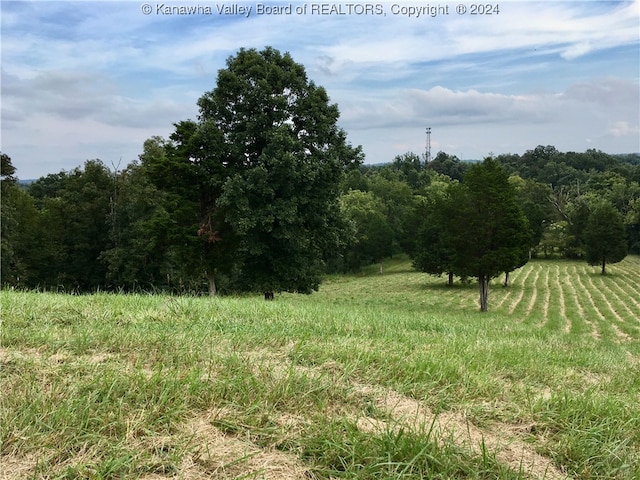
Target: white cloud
[576, 50]
[624, 129]
[91, 79]
[471, 124]
[80, 97]
[443, 106]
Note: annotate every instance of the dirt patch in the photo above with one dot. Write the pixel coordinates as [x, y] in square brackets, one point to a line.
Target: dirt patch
[509, 449]
[404, 412]
[16, 468]
[13, 467]
[220, 455]
[7, 355]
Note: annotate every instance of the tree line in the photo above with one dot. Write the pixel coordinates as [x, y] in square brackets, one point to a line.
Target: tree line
[263, 193]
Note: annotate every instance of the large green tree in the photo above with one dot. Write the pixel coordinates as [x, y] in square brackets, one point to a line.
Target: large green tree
[7, 219]
[448, 165]
[396, 199]
[9, 266]
[289, 157]
[632, 221]
[533, 198]
[266, 160]
[605, 236]
[489, 233]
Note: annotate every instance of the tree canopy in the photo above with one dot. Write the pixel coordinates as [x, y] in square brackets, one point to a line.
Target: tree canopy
[605, 236]
[478, 230]
[263, 167]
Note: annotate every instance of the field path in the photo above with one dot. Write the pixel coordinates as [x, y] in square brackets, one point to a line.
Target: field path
[406, 412]
[546, 300]
[505, 297]
[517, 301]
[563, 310]
[603, 320]
[576, 300]
[534, 294]
[634, 288]
[607, 287]
[630, 298]
[621, 335]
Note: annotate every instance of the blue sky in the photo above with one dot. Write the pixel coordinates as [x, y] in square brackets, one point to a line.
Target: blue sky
[86, 80]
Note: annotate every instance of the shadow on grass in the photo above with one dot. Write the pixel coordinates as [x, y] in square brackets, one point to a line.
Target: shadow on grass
[597, 273]
[443, 286]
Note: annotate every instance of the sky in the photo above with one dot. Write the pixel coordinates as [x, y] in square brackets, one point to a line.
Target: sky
[94, 80]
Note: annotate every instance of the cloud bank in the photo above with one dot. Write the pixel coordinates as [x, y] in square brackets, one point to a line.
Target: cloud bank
[95, 79]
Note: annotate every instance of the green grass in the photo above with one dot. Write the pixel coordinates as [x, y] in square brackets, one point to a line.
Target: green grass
[374, 376]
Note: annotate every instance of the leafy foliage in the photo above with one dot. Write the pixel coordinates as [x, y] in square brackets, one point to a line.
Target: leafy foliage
[372, 236]
[287, 158]
[486, 231]
[604, 236]
[263, 192]
[433, 251]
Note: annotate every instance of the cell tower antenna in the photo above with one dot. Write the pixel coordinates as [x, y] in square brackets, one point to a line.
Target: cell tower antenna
[428, 144]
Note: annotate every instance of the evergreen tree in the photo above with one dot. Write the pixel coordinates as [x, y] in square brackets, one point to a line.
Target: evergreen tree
[489, 234]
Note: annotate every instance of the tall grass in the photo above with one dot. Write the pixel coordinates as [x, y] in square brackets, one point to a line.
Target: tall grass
[134, 386]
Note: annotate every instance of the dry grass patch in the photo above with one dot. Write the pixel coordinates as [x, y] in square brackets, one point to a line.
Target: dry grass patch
[217, 454]
[17, 467]
[516, 302]
[509, 449]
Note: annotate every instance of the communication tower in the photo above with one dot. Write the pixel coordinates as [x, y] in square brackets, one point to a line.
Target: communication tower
[428, 144]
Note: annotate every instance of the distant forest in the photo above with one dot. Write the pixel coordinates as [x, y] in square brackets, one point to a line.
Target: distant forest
[93, 228]
[263, 193]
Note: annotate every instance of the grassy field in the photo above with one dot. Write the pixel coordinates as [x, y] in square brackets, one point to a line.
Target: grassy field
[374, 377]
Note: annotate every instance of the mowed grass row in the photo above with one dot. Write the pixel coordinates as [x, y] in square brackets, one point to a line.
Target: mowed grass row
[573, 297]
[371, 377]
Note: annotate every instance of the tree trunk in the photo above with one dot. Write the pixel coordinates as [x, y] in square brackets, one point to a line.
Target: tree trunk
[506, 279]
[211, 277]
[483, 282]
[603, 268]
[381, 269]
[450, 281]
